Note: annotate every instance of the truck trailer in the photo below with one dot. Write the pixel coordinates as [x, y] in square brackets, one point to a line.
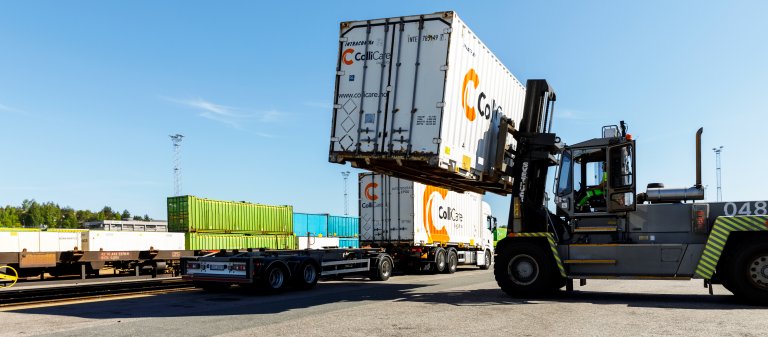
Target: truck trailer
[425, 227]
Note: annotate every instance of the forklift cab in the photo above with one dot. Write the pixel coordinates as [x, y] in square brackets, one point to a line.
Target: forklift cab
[597, 176]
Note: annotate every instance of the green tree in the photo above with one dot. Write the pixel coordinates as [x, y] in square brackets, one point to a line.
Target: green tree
[10, 217]
[125, 215]
[33, 215]
[51, 214]
[147, 218]
[69, 218]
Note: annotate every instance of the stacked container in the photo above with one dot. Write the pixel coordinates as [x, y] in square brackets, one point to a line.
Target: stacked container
[346, 228]
[215, 224]
[317, 231]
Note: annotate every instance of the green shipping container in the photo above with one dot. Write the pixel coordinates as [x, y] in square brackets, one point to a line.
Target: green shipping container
[207, 241]
[192, 214]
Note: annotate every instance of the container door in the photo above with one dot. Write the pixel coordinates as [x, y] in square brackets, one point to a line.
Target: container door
[372, 208]
[389, 82]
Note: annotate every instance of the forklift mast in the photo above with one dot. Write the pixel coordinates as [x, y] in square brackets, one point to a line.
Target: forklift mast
[535, 152]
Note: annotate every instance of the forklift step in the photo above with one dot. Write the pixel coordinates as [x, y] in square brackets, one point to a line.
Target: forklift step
[595, 229]
[589, 261]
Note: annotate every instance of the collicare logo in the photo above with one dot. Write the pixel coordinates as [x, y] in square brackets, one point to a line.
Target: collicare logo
[485, 110]
[433, 233]
[368, 193]
[345, 54]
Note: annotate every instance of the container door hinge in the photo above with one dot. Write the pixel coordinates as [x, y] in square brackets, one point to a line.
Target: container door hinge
[340, 73]
[444, 68]
[447, 30]
[337, 106]
[440, 104]
[343, 39]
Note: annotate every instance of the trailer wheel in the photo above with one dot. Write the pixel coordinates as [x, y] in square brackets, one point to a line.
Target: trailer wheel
[452, 262]
[384, 269]
[525, 269]
[275, 277]
[488, 260]
[746, 272]
[306, 275]
[440, 260]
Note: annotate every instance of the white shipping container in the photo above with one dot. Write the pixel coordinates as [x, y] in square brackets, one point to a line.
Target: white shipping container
[9, 242]
[59, 241]
[421, 93]
[313, 242]
[394, 210]
[132, 241]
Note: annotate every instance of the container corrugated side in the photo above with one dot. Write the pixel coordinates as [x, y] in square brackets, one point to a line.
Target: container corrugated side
[207, 241]
[192, 214]
[453, 91]
[398, 210]
[343, 226]
[349, 243]
[310, 224]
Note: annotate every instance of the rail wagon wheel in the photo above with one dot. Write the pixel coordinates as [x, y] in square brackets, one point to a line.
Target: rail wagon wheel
[8, 276]
[746, 272]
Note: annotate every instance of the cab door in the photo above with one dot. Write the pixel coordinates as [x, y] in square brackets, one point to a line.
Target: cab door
[621, 187]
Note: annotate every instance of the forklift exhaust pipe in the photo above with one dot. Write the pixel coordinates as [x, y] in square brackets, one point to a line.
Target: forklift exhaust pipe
[698, 158]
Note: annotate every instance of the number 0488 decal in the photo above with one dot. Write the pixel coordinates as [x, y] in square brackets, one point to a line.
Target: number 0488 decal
[747, 208]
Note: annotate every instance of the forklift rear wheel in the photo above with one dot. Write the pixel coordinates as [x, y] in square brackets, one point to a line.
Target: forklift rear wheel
[747, 273]
[526, 269]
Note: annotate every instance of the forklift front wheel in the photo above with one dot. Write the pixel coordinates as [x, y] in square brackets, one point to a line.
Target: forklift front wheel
[526, 269]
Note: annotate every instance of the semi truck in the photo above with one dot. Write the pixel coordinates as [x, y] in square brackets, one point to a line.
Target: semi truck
[438, 108]
[423, 227]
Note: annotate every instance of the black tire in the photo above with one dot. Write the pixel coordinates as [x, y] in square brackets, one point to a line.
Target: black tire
[306, 276]
[525, 270]
[275, 278]
[452, 262]
[440, 262]
[383, 269]
[488, 260]
[745, 272]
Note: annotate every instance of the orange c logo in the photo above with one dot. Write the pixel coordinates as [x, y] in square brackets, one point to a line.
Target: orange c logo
[368, 193]
[471, 76]
[433, 234]
[344, 56]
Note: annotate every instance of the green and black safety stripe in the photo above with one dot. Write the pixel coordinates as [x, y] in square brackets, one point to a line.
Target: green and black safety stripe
[723, 227]
[552, 245]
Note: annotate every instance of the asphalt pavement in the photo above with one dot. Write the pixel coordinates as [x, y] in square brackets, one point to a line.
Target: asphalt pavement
[466, 303]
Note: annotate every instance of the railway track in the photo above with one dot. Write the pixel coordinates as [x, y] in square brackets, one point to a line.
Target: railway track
[54, 294]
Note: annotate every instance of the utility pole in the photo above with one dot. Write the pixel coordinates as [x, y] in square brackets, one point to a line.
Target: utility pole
[345, 174]
[717, 172]
[176, 139]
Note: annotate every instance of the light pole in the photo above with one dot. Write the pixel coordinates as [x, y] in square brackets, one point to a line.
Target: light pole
[176, 139]
[345, 174]
[717, 172]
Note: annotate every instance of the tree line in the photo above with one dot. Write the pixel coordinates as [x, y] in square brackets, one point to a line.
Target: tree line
[48, 214]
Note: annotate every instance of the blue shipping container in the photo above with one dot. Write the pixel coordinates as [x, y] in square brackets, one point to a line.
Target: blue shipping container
[315, 224]
[347, 242]
[343, 226]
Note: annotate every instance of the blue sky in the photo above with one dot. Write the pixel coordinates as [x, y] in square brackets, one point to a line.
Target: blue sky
[90, 91]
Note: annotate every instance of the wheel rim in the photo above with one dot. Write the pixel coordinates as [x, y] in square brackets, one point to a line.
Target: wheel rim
[276, 278]
[386, 268]
[309, 274]
[454, 261]
[523, 269]
[758, 271]
[487, 258]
